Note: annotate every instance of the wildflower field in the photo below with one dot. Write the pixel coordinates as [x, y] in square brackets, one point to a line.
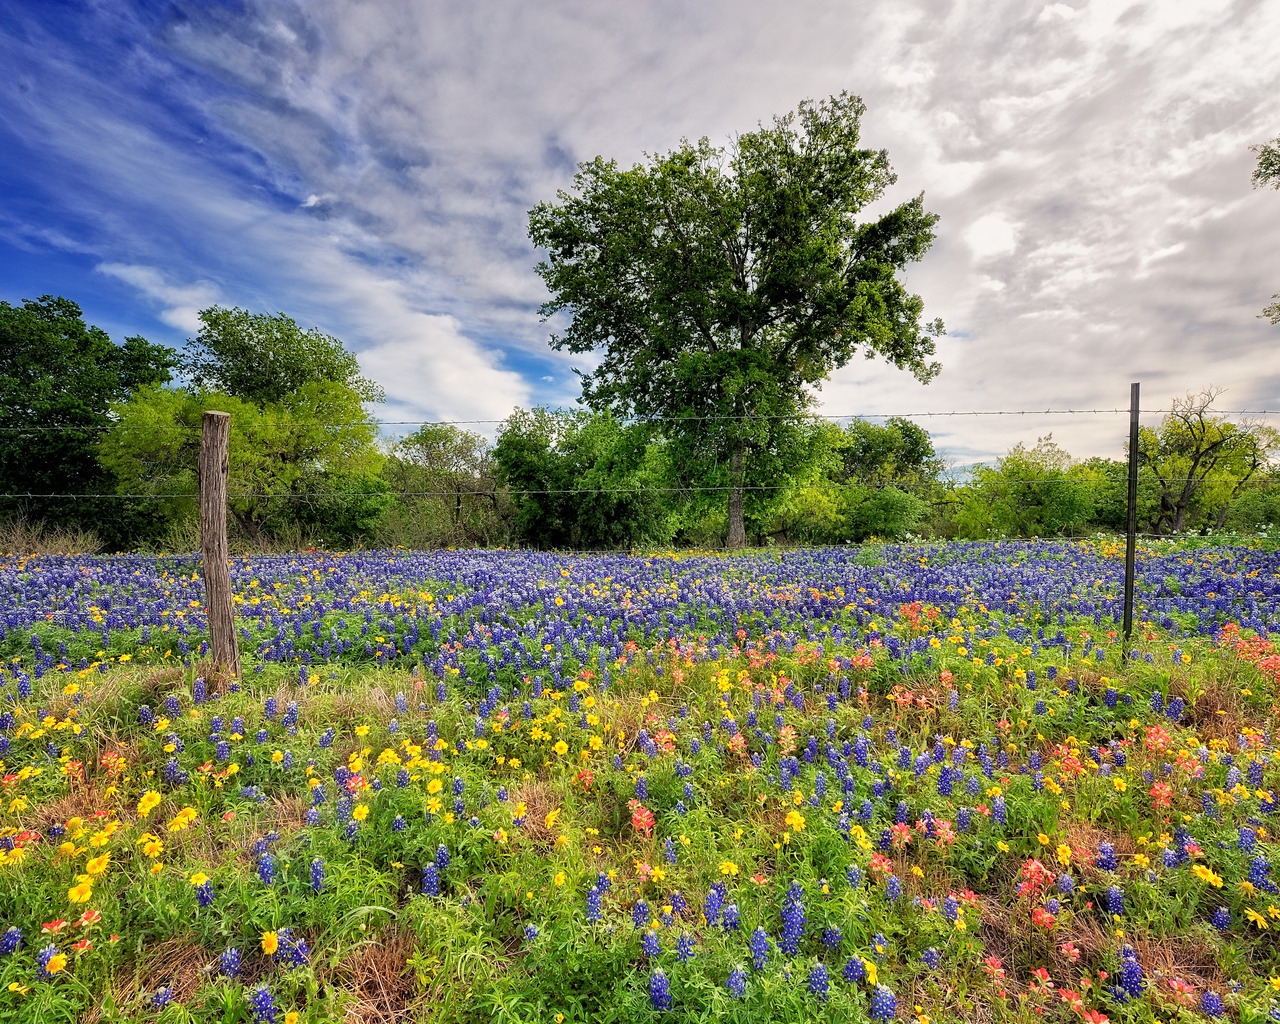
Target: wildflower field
[919, 782]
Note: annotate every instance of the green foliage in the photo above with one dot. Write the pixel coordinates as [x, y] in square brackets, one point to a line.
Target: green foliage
[447, 489]
[582, 480]
[1200, 461]
[1257, 510]
[1031, 492]
[1268, 173]
[264, 359]
[720, 285]
[57, 372]
[309, 460]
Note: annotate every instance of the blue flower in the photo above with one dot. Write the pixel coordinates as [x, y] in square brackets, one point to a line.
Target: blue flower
[759, 946]
[819, 981]
[229, 961]
[1211, 1005]
[884, 1004]
[262, 1005]
[659, 990]
[737, 982]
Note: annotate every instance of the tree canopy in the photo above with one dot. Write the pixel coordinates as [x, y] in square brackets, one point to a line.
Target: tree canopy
[720, 285]
[264, 358]
[58, 379]
[1267, 173]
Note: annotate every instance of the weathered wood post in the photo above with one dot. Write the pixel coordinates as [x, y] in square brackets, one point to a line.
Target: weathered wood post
[1131, 524]
[215, 436]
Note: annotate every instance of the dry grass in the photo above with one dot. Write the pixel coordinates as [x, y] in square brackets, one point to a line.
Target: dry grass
[378, 980]
[20, 536]
[539, 799]
[176, 963]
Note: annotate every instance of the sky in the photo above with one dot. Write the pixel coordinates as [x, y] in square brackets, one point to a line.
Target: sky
[367, 167]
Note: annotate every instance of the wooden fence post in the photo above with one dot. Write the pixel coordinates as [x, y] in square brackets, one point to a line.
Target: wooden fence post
[1131, 524]
[215, 435]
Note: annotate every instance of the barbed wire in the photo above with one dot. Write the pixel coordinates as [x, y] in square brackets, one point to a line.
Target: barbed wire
[708, 418]
[642, 489]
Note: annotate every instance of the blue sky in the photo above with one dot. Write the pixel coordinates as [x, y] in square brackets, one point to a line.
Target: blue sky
[367, 168]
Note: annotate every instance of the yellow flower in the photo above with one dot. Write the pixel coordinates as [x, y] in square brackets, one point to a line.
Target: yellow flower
[561, 747]
[434, 786]
[360, 812]
[1119, 784]
[97, 865]
[148, 803]
[81, 892]
[795, 821]
[1206, 875]
[292, 1016]
[183, 819]
[362, 730]
[728, 867]
[1259, 921]
[270, 943]
[550, 820]
[1064, 854]
[56, 963]
[198, 879]
[559, 878]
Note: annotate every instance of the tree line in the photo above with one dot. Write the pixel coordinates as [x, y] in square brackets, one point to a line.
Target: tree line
[103, 437]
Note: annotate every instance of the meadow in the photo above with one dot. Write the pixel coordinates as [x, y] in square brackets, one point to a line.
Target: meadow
[925, 782]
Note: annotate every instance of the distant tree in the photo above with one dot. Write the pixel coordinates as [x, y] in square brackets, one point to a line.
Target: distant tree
[1200, 461]
[263, 358]
[1030, 492]
[304, 451]
[310, 462]
[449, 494]
[721, 285]
[1267, 173]
[58, 379]
[582, 480]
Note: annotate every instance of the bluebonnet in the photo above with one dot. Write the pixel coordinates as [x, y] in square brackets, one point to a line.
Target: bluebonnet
[1221, 919]
[893, 888]
[884, 1004]
[205, 894]
[262, 1005]
[10, 940]
[1211, 1005]
[267, 868]
[659, 990]
[431, 879]
[650, 945]
[737, 982]
[593, 904]
[229, 961]
[1106, 859]
[161, 998]
[317, 874]
[1130, 972]
[855, 971]
[819, 981]
[793, 920]
[684, 948]
[759, 946]
[640, 914]
[832, 937]
[932, 958]
[1115, 900]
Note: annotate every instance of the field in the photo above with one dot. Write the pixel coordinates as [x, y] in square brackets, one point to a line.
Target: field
[924, 782]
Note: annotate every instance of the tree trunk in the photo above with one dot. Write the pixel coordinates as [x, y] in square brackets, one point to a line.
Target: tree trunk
[737, 529]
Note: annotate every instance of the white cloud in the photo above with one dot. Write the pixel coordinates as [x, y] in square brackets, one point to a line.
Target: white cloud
[992, 235]
[179, 303]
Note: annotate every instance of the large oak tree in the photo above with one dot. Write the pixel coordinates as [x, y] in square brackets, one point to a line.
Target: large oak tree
[720, 286]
